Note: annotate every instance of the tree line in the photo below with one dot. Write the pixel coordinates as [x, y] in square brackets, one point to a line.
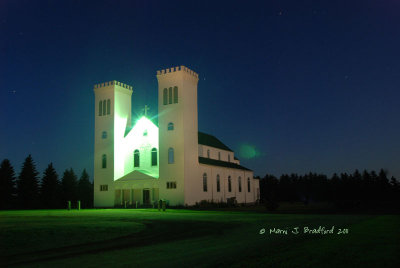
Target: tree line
[353, 191]
[29, 191]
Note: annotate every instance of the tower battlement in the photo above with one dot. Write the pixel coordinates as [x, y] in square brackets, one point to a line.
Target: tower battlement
[111, 83]
[178, 68]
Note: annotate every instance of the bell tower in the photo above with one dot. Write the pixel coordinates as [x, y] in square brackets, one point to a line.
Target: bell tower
[112, 117]
[178, 132]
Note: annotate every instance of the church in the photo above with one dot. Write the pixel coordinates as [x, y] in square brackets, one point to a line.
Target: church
[142, 162]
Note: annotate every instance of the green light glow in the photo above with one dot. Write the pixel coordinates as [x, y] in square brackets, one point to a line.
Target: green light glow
[248, 151]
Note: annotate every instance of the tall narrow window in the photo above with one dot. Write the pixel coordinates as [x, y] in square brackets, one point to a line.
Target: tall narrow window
[218, 184]
[248, 185]
[170, 155]
[165, 96]
[100, 108]
[104, 161]
[208, 153]
[205, 182]
[136, 158]
[219, 155]
[104, 107]
[229, 184]
[104, 135]
[175, 94]
[108, 106]
[240, 184]
[154, 157]
[170, 95]
[229, 158]
[170, 126]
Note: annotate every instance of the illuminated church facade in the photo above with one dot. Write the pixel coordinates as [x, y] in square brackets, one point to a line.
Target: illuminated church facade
[141, 163]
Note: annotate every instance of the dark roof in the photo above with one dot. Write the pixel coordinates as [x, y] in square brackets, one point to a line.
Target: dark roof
[213, 162]
[210, 140]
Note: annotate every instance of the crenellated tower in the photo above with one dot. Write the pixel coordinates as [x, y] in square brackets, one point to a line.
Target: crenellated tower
[112, 117]
[178, 133]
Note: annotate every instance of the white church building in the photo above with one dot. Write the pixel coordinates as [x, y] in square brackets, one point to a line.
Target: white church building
[141, 163]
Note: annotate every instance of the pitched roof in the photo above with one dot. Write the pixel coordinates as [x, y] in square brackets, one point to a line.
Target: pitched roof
[210, 140]
[214, 162]
[138, 175]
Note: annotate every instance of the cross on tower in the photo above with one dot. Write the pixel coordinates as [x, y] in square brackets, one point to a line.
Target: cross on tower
[146, 108]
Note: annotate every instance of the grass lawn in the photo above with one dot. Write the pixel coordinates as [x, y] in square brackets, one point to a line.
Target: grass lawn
[149, 238]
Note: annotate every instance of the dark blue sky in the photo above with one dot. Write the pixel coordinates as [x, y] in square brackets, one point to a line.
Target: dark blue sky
[311, 85]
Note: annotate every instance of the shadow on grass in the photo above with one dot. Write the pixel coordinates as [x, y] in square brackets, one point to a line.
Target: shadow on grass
[156, 232]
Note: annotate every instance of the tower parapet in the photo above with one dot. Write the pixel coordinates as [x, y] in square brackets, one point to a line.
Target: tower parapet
[178, 68]
[111, 83]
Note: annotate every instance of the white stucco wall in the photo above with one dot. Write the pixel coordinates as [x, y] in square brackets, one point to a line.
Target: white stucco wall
[203, 152]
[105, 176]
[212, 194]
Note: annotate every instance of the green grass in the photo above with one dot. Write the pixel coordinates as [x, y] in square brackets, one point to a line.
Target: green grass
[149, 238]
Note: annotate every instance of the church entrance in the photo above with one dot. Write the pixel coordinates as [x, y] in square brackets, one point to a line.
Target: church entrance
[146, 196]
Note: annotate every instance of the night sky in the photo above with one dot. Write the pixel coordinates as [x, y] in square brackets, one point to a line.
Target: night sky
[290, 86]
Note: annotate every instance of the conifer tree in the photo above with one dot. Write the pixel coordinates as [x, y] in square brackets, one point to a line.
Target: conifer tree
[28, 185]
[85, 190]
[69, 185]
[50, 188]
[7, 185]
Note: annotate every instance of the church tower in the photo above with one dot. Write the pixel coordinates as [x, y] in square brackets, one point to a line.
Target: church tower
[178, 133]
[112, 117]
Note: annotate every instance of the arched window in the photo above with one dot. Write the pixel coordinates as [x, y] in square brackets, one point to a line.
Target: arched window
[136, 158]
[100, 108]
[170, 155]
[165, 97]
[219, 155]
[104, 135]
[229, 184]
[205, 182]
[108, 106]
[104, 107]
[229, 158]
[248, 185]
[208, 153]
[175, 94]
[154, 157]
[170, 95]
[240, 184]
[170, 126]
[218, 184]
[104, 161]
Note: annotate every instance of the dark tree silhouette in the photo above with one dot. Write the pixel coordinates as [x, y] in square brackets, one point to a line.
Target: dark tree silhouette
[50, 188]
[269, 192]
[355, 191]
[28, 185]
[7, 185]
[69, 187]
[85, 190]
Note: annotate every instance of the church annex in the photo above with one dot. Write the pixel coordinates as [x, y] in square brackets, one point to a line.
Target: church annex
[141, 162]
